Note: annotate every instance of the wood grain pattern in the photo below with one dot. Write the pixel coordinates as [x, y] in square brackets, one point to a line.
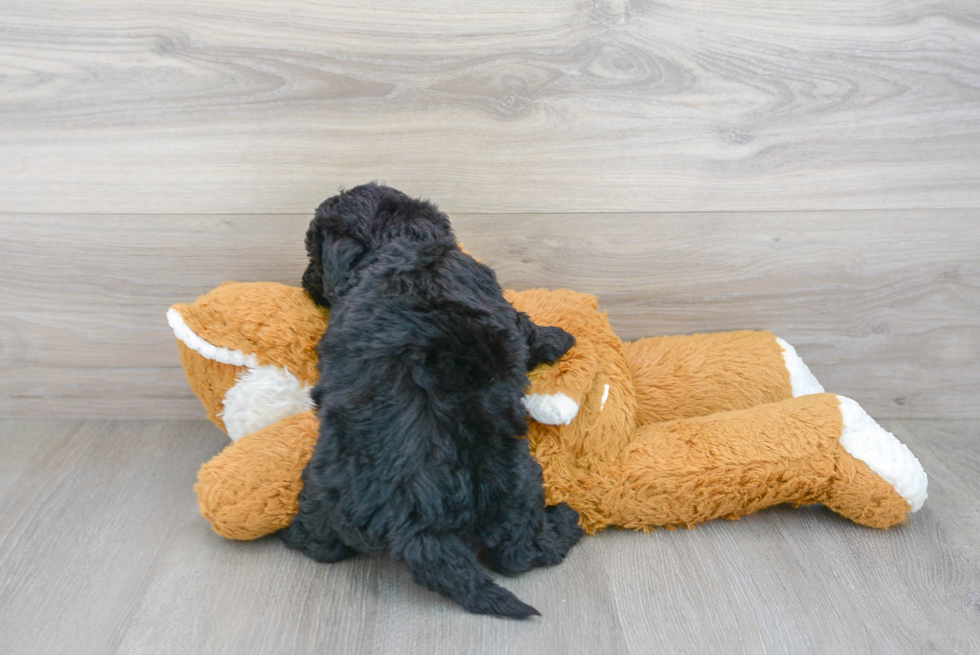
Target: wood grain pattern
[243, 106]
[84, 522]
[953, 480]
[809, 168]
[884, 306]
[102, 551]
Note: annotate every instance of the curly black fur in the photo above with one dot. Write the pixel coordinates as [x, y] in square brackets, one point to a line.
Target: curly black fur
[424, 367]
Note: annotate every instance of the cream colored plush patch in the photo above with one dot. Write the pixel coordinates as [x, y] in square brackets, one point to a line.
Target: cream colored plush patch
[551, 408]
[884, 454]
[262, 396]
[800, 377]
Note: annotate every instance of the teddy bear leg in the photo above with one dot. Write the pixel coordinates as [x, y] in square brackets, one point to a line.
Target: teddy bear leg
[815, 448]
[701, 374]
[877, 480]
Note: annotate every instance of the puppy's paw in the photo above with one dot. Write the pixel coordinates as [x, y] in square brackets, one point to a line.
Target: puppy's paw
[553, 342]
[511, 559]
[561, 532]
[330, 550]
[294, 535]
[564, 521]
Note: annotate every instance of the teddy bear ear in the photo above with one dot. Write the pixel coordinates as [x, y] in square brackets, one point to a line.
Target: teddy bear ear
[254, 324]
[249, 352]
[189, 321]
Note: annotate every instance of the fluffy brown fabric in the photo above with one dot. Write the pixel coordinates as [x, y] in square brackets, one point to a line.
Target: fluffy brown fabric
[275, 322]
[692, 428]
[686, 376]
[729, 464]
[252, 489]
[210, 380]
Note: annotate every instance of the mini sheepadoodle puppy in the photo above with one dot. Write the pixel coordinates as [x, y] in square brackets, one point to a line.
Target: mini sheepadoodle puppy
[424, 368]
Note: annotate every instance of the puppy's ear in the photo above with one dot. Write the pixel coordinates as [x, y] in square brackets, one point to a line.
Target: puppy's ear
[332, 261]
[338, 258]
[313, 275]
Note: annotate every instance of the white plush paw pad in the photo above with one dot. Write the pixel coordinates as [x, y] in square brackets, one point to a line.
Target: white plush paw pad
[262, 396]
[884, 454]
[551, 409]
[800, 377]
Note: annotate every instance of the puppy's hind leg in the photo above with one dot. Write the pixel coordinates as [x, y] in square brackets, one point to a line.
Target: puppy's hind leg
[443, 563]
[533, 535]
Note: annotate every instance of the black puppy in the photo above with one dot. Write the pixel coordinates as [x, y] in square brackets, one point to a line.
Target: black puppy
[423, 371]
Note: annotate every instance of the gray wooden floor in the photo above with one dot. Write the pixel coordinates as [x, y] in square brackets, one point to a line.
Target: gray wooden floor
[102, 551]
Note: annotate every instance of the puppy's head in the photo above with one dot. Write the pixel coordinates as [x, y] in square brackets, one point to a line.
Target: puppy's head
[352, 225]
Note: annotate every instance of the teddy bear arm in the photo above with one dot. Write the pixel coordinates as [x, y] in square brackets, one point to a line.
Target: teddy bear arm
[251, 488]
[559, 389]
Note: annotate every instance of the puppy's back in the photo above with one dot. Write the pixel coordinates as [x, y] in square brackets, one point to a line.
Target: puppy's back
[450, 324]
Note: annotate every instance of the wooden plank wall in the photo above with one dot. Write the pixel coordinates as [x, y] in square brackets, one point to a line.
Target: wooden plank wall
[810, 168]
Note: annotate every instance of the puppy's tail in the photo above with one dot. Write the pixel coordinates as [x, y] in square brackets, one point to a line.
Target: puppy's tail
[443, 563]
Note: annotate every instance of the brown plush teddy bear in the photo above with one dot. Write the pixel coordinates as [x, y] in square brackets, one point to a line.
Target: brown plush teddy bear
[667, 431]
